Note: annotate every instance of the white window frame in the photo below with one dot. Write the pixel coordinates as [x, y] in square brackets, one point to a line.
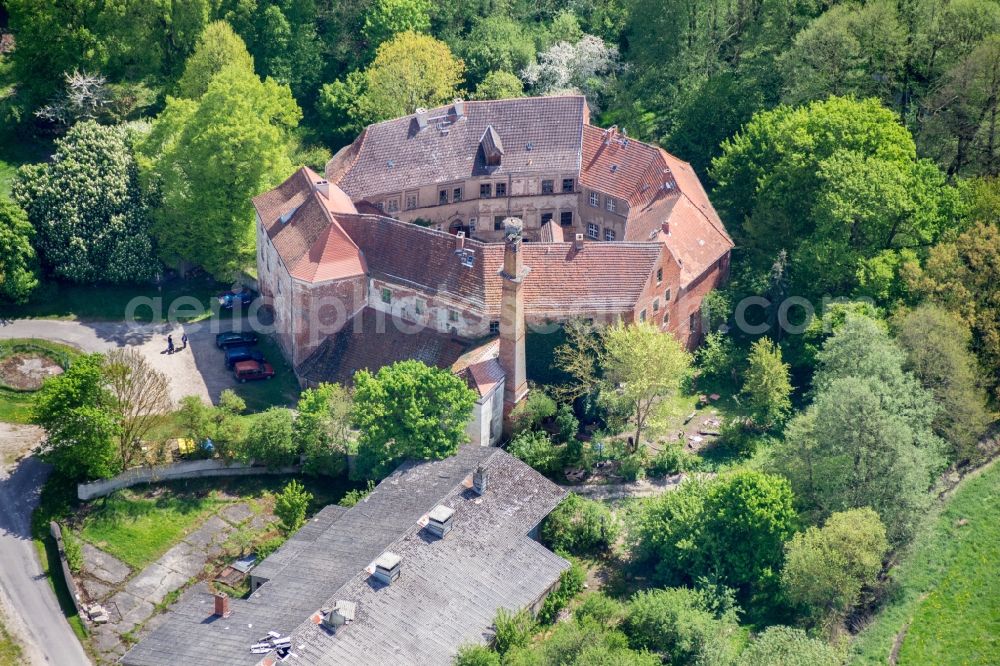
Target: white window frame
[595, 199]
[593, 231]
[610, 204]
[609, 234]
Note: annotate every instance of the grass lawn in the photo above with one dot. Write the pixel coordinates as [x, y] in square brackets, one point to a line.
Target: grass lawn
[15, 406]
[10, 651]
[949, 586]
[139, 524]
[59, 300]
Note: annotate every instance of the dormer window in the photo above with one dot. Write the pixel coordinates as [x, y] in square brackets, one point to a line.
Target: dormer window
[492, 147]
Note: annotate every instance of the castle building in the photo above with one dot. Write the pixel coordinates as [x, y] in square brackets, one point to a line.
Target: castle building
[448, 234]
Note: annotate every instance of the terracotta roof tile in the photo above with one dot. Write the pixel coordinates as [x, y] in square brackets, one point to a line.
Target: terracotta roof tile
[624, 168]
[539, 134]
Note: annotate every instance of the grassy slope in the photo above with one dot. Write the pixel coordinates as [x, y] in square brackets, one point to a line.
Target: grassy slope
[10, 651]
[949, 590]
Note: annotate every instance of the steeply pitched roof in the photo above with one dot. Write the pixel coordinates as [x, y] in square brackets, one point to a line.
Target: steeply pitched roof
[332, 551]
[449, 589]
[624, 168]
[538, 134]
[300, 222]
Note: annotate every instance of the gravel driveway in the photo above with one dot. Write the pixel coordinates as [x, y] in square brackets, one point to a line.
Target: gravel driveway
[197, 370]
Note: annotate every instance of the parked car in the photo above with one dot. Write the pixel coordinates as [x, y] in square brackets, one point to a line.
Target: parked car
[236, 354]
[242, 297]
[235, 339]
[249, 370]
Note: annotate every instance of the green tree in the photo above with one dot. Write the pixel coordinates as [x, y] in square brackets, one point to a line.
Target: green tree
[535, 448]
[476, 655]
[408, 410]
[387, 18]
[766, 384]
[80, 431]
[209, 158]
[270, 441]
[581, 642]
[217, 47]
[410, 70]
[962, 275]
[499, 85]
[937, 346]
[87, 207]
[836, 183]
[730, 529]
[139, 396]
[641, 369]
[497, 43]
[676, 623]
[323, 428]
[580, 526]
[512, 630]
[826, 568]
[290, 506]
[784, 646]
[18, 263]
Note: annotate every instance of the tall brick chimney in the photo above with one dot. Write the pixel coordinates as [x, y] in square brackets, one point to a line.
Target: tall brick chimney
[512, 318]
[222, 604]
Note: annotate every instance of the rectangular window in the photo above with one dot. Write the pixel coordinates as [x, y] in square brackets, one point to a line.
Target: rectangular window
[609, 203]
[411, 201]
[659, 275]
[452, 315]
[494, 327]
[566, 218]
[656, 305]
[485, 190]
[693, 322]
[666, 317]
[392, 205]
[642, 316]
[593, 231]
[595, 199]
[546, 217]
[380, 205]
[472, 225]
[386, 296]
[456, 194]
[666, 295]
[547, 186]
[498, 222]
[609, 234]
[442, 197]
[501, 189]
[567, 184]
[418, 306]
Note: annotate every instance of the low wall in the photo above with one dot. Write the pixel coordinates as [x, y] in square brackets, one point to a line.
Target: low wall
[74, 591]
[188, 469]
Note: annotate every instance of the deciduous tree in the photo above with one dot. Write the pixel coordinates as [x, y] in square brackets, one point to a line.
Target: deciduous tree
[785, 646]
[217, 47]
[270, 440]
[408, 410]
[290, 506]
[139, 395]
[499, 85]
[766, 384]
[18, 263]
[323, 428]
[387, 18]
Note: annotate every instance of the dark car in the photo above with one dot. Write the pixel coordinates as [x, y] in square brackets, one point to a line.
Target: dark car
[250, 370]
[236, 354]
[241, 297]
[235, 339]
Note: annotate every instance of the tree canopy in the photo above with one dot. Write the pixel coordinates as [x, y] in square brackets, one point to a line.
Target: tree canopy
[18, 263]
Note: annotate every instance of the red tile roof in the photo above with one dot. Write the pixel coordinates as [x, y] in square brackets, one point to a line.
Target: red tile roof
[301, 225]
[624, 168]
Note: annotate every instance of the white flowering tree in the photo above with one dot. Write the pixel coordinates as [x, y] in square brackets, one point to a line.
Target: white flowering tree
[87, 208]
[586, 67]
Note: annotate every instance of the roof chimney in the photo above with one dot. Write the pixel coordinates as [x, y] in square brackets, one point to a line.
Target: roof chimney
[459, 107]
[578, 242]
[511, 355]
[479, 480]
[387, 567]
[222, 604]
[666, 228]
[323, 187]
[439, 520]
[459, 241]
[421, 117]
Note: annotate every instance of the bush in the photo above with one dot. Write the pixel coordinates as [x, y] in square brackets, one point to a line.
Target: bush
[783, 646]
[270, 441]
[676, 623]
[606, 611]
[672, 460]
[738, 436]
[71, 547]
[580, 526]
[632, 467]
[265, 548]
[535, 448]
[570, 584]
[567, 424]
[530, 413]
[476, 655]
[352, 497]
[290, 506]
[512, 629]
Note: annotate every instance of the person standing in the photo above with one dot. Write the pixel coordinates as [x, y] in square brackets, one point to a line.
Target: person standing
[170, 344]
[184, 341]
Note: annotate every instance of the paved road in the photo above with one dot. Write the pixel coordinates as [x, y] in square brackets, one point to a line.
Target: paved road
[197, 370]
[26, 587]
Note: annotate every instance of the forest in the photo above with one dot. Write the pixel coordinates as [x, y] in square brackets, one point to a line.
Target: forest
[850, 147]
